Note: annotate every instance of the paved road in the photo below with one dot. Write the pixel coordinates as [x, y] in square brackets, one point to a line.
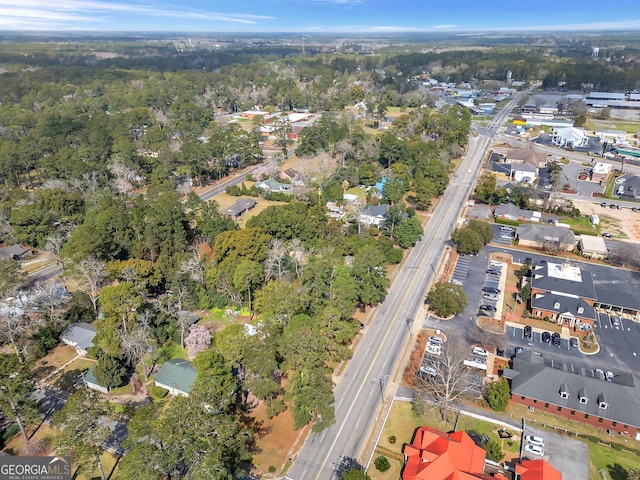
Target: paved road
[238, 178]
[46, 273]
[366, 377]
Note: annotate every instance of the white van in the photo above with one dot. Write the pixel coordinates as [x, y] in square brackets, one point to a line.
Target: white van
[481, 352]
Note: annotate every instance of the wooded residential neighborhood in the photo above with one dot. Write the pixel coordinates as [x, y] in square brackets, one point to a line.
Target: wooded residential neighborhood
[203, 253]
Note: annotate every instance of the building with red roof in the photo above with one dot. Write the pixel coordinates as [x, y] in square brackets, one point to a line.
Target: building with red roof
[436, 455]
[537, 470]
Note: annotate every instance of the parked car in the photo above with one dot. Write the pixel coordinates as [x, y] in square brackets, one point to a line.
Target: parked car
[500, 351]
[517, 350]
[573, 341]
[488, 308]
[607, 235]
[535, 440]
[481, 352]
[613, 206]
[427, 370]
[433, 349]
[435, 340]
[609, 376]
[527, 331]
[505, 236]
[492, 271]
[490, 296]
[546, 337]
[504, 228]
[534, 449]
[493, 290]
[615, 321]
[495, 264]
[555, 339]
[603, 204]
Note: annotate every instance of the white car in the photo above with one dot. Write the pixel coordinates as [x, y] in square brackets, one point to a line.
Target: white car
[433, 350]
[534, 449]
[428, 370]
[481, 352]
[535, 440]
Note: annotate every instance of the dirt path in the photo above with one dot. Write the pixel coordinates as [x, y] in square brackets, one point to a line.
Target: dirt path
[623, 224]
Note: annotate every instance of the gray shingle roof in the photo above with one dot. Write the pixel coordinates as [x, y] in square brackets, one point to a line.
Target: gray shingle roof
[81, 334]
[531, 378]
[539, 233]
[618, 298]
[541, 280]
[565, 304]
[238, 208]
[177, 373]
[13, 251]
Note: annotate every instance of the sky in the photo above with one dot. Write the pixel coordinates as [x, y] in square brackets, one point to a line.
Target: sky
[331, 16]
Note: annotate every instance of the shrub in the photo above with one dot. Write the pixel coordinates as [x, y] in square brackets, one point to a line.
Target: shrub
[157, 392]
[392, 439]
[272, 469]
[494, 451]
[382, 464]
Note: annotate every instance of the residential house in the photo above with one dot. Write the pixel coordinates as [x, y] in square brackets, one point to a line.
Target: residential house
[273, 186]
[523, 172]
[509, 211]
[577, 395]
[593, 246]
[436, 455]
[79, 335]
[564, 293]
[90, 380]
[335, 211]
[241, 206]
[15, 252]
[294, 176]
[374, 214]
[527, 155]
[254, 113]
[188, 317]
[546, 236]
[177, 376]
[536, 470]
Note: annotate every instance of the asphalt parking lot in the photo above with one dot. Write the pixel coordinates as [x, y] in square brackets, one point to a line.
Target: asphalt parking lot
[569, 456]
[619, 348]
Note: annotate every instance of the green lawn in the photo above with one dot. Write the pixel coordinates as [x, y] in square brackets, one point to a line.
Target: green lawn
[402, 423]
[615, 463]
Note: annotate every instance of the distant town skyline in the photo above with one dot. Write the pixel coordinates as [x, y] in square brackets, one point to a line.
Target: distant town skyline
[321, 16]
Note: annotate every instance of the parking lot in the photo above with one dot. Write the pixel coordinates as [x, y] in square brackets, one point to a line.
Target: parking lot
[619, 346]
[569, 456]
